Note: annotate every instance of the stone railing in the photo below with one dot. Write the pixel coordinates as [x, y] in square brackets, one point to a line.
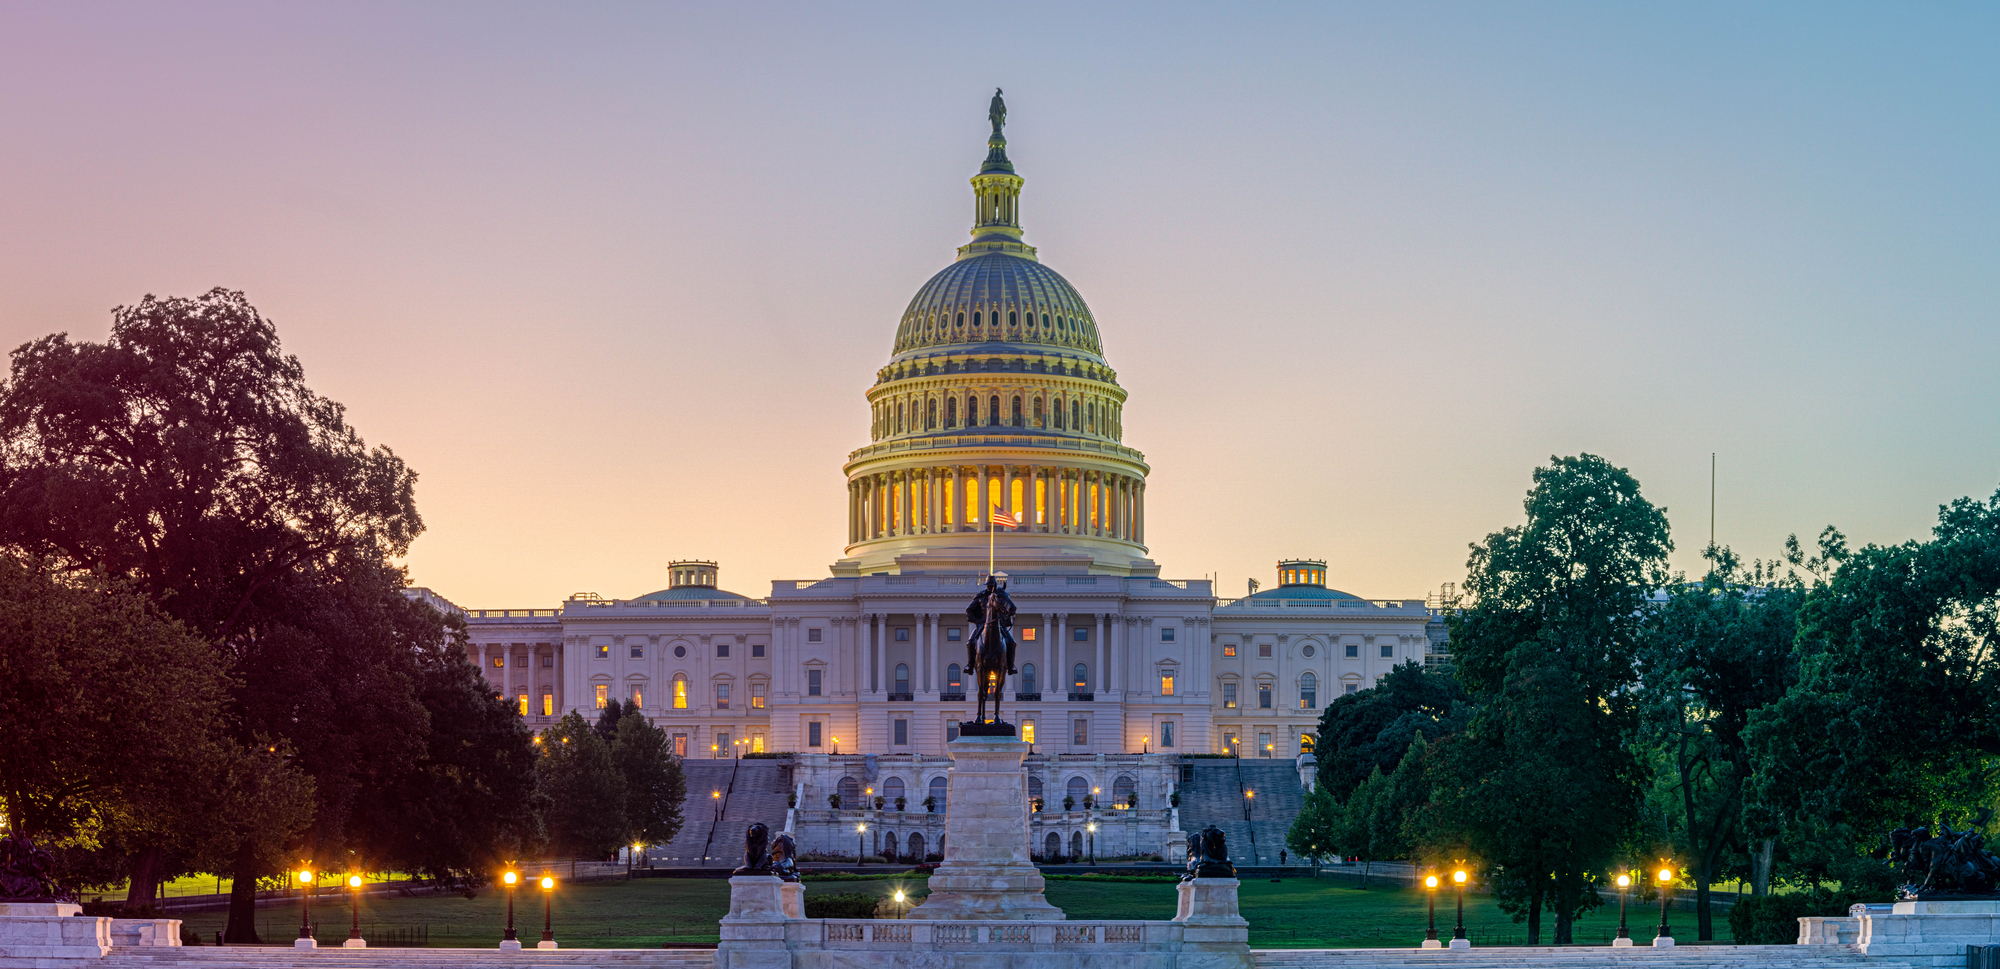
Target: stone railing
[905, 934]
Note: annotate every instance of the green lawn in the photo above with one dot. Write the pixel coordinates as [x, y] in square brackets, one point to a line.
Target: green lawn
[1297, 912]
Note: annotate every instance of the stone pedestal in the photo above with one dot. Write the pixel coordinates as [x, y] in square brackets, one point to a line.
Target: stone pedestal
[1926, 934]
[506, 945]
[1217, 935]
[986, 872]
[314, 944]
[1621, 943]
[547, 944]
[753, 933]
[355, 944]
[1663, 942]
[1461, 943]
[793, 899]
[1432, 944]
[40, 933]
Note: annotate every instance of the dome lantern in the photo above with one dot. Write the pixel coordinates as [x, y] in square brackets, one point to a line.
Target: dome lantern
[996, 197]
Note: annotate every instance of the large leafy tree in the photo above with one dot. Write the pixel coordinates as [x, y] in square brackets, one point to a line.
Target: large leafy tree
[1372, 729]
[582, 794]
[1716, 651]
[655, 786]
[1896, 713]
[1542, 786]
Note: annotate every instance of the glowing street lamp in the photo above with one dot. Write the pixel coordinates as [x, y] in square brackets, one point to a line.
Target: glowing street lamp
[1458, 885]
[1666, 877]
[1092, 829]
[1145, 744]
[1624, 886]
[1431, 900]
[306, 940]
[548, 924]
[511, 878]
[354, 939]
[860, 844]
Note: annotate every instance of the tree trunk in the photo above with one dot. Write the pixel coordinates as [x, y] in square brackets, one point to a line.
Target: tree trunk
[1566, 902]
[1364, 874]
[144, 886]
[242, 926]
[1760, 867]
[1535, 897]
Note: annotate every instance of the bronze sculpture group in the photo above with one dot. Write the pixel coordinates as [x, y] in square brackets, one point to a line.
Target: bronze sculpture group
[1208, 855]
[765, 855]
[1945, 865]
[989, 656]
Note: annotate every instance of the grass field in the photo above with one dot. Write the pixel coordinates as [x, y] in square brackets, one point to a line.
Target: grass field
[1297, 912]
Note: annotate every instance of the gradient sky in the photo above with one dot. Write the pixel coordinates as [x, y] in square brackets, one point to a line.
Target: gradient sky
[614, 278]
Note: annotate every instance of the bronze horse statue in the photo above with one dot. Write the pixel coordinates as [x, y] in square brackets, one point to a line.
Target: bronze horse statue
[989, 655]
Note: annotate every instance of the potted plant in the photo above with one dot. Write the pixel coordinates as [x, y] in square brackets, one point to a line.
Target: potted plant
[879, 801]
[1038, 805]
[1132, 800]
[1089, 802]
[833, 801]
[1069, 803]
[1174, 799]
[930, 804]
[900, 802]
[792, 799]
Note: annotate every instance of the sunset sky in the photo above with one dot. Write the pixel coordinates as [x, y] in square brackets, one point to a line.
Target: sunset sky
[614, 278]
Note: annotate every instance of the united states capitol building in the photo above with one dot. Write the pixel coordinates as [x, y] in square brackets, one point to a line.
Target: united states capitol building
[997, 394]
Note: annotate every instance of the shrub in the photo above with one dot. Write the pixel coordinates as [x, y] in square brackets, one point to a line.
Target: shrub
[841, 905]
[189, 936]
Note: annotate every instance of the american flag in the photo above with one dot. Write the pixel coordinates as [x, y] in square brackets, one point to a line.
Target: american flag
[1000, 517]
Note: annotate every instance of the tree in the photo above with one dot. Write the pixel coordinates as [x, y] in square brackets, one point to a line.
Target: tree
[1895, 716]
[1542, 785]
[1371, 729]
[1717, 651]
[582, 796]
[655, 787]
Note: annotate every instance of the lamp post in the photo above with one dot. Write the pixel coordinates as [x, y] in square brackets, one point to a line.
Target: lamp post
[1431, 904]
[1665, 937]
[860, 844]
[1624, 886]
[354, 939]
[900, 899]
[1091, 835]
[510, 878]
[305, 940]
[548, 921]
[1146, 744]
[836, 745]
[1458, 939]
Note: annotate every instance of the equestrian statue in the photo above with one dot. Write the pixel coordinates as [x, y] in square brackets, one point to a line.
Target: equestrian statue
[989, 655]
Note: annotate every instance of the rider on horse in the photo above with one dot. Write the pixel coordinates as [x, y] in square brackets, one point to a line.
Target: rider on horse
[990, 651]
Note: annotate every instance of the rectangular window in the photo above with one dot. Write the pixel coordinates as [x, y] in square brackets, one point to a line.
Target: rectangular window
[1167, 634]
[1229, 742]
[499, 662]
[722, 650]
[813, 635]
[603, 650]
[1263, 696]
[756, 650]
[1388, 651]
[902, 732]
[1305, 743]
[638, 652]
[603, 691]
[520, 661]
[638, 695]
[548, 704]
[548, 662]
[1079, 733]
[1167, 683]
[1081, 634]
[1308, 697]
[952, 635]
[1027, 731]
[812, 733]
[680, 694]
[1264, 650]
[1028, 635]
[1353, 650]
[680, 745]
[757, 743]
[1167, 733]
[1229, 696]
[723, 748]
[950, 731]
[1229, 649]
[1264, 745]
[1351, 688]
[902, 634]
[524, 704]
[812, 683]
[722, 696]
[756, 696]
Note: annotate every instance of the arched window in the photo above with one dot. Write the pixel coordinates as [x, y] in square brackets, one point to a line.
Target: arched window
[961, 321]
[1045, 321]
[1034, 785]
[1081, 679]
[1076, 844]
[1038, 412]
[954, 680]
[1090, 417]
[916, 848]
[975, 319]
[892, 789]
[850, 792]
[951, 412]
[680, 692]
[1078, 788]
[930, 414]
[1017, 412]
[937, 790]
[1028, 678]
[1308, 691]
[1012, 318]
[972, 412]
[993, 410]
[902, 677]
[1076, 415]
[1123, 788]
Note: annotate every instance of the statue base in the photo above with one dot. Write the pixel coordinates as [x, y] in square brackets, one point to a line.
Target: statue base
[32, 932]
[986, 872]
[987, 728]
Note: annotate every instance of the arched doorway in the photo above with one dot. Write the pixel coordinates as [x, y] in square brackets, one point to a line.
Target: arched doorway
[1052, 848]
[850, 792]
[916, 846]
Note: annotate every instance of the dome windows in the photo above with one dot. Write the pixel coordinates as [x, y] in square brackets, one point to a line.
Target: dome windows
[1013, 319]
[993, 411]
[951, 413]
[975, 320]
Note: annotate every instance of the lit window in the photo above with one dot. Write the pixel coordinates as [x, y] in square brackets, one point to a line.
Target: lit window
[1167, 733]
[499, 662]
[954, 681]
[680, 745]
[638, 695]
[1263, 696]
[1308, 691]
[813, 635]
[1027, 731]
[1027, 635]
[680, 693]
[756, 696]
[1305, 743]
[1167, 634]
[1166, 682]
[1229, 649]
[1081, 678]
[812, 683]
[548, 704]
[603, 650]
[812, 733]
[1229, 695]
[524, 704]
[722, 696]
[603, 691]
[757, 744]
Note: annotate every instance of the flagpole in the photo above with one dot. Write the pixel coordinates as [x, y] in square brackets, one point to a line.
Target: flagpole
[989, 541]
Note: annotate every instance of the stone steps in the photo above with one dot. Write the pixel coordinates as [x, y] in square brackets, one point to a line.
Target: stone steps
[280, 957]
[759, 795]
[1215, 796]
[1678, 957]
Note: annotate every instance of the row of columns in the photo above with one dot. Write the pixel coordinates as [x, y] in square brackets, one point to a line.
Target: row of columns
[1104, 657]
[930, 501]
[480, 657]
[918, 414]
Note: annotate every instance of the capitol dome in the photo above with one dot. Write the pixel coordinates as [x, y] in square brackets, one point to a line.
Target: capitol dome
[996, 397]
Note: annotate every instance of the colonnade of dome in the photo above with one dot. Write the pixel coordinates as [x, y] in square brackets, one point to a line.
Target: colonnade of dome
[1047, 500]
